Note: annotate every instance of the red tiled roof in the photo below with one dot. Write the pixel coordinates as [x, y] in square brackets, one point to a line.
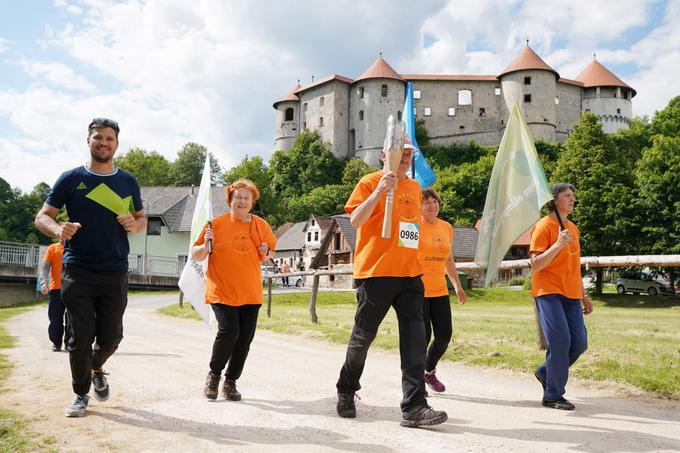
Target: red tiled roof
[291, 96]
[452, 77]
[379, 70]
[330, 78]
[527, 59]
[596, 75]
[571, 82]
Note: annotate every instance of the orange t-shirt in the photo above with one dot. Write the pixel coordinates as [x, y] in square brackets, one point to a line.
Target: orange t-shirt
[433, 251]
[234, 275]
[53, 256]
[563, 274]
[378, 257]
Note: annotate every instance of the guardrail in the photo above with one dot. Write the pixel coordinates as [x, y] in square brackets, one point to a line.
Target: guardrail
[16, 254]
[586, 261]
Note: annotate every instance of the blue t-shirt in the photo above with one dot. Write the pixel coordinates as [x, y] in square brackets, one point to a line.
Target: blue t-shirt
[101, 242]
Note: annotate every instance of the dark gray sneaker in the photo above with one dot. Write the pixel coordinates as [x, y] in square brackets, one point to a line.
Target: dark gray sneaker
[559, 403]
[78, 408]
[229, 390]
[422, 416]
[101, 386]
[346, 407]
[212, 383]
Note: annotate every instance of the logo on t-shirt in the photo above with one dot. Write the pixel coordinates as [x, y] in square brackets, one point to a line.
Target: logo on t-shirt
[81, 186]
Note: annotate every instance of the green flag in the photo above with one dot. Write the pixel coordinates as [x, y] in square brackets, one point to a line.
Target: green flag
[517, 191]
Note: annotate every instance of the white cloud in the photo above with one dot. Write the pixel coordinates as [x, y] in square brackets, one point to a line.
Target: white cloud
[58, 74]
[4, 44]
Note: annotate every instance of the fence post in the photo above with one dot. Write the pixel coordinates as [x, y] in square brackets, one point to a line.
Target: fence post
[181, 299]
[312, 300]
[269, 297]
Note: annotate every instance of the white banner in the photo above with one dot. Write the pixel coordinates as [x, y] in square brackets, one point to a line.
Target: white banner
[192, 280]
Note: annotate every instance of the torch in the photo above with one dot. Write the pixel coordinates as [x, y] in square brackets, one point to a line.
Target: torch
[393, 148]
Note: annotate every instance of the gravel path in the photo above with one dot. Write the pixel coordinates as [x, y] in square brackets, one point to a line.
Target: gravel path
[288, 389]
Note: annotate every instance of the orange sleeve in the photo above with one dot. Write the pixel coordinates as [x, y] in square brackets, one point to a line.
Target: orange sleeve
[48, 254]
[361, 192]
[540, 238]
[268, 234]
[201, 237]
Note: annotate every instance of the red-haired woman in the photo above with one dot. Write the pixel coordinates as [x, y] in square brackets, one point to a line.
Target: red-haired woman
[240, 240]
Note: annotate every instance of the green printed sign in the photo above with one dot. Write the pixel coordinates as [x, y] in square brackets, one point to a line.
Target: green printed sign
[106, 197]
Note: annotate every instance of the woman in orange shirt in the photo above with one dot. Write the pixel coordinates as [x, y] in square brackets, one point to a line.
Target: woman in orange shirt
[434, 254]
[558, 290]
[240, 241]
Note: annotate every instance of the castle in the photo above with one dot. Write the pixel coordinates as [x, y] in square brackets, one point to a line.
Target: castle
[352, 114]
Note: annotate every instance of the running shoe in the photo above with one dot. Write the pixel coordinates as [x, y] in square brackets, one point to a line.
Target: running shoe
[346, 407]
[422, 416]
[78, 408]
[101, 386]
[434, 383]
[212, 382]
[229, 390]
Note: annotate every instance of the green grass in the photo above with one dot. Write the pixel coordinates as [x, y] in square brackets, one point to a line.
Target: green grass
[633, 339]
[15, 433]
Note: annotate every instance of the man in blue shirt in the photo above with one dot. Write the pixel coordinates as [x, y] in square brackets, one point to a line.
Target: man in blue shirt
[103, 204]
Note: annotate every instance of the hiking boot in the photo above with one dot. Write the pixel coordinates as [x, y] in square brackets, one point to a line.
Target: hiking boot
[559, 403]
[540, 379]
[422, 416]
[434, 383]
[346, 407]
[101, 386]
[229, 391]
[56, 347]
[78, 408]
[212, 382]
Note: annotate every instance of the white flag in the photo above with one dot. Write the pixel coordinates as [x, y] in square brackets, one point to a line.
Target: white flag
[192, 280]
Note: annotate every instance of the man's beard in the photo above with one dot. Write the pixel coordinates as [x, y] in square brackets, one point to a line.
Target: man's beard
[99, 159]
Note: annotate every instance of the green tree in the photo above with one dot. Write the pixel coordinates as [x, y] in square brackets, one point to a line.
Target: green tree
[254, 168]
[463, 190]
[17, 213]
[667, 121]
[187, 168]
[422, 138]
[354, 170]
[632, 140]
[150, 168]
[603, 180]
[325, 201]
[308, 165]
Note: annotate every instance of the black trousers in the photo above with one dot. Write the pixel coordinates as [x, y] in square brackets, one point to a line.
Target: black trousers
[235, 331]
[375, 296]
[95, 301]
[437, 316]
[55, 313]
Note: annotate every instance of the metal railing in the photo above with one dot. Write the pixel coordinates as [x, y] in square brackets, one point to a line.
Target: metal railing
[16, 254]
[155, 265]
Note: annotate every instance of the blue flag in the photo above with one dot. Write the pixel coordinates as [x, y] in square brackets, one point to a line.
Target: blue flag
[424, 174]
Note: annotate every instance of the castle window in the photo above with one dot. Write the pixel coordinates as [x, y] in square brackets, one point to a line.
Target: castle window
[383, 91]
[482, 111]
[321, 121]
[527, 98]
[399, 115]
[464, 97]
[587, 110]
[415, 111]
[361, 92]
[618, 111]
[361, 115]
[427, 111]
[304, 106]
[461, 127]
[527, 80]
[452, 111]
[289, 113]
[304, 125]
[416, 94]
[557, 99]
[497, 91]
[322, 101]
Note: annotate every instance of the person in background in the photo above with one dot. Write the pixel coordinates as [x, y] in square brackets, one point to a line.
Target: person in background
[50, 283]
[436, 257]
[233, 287]
[561, 300]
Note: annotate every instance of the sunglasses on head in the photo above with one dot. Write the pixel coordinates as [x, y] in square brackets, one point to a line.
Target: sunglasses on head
[104, 122]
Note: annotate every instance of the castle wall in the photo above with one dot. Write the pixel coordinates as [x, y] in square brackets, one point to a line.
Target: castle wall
[479, 121]
[368, 134]
[568, 110]
[326, 116]
[540, 111]
[286, 131]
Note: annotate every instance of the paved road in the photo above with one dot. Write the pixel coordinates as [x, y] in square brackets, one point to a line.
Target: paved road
[289, 400]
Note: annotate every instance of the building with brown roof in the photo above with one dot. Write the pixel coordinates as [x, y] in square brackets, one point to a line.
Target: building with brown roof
[351, 114]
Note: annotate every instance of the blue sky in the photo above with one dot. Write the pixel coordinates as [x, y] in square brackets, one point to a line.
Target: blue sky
[208, 71]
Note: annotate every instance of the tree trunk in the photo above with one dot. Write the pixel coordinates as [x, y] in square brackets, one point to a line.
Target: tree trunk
[598, 281]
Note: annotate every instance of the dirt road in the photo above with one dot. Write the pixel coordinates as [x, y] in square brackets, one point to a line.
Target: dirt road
[288, 389]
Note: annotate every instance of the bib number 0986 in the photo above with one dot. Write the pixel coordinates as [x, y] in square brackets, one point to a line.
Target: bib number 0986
[408, 234]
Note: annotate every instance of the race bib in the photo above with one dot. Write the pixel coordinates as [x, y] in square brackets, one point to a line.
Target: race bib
[409, 234]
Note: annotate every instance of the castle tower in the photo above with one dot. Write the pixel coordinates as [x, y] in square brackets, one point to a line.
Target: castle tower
[287, 119]
[606, 96]
[375, 95]
[531, 83]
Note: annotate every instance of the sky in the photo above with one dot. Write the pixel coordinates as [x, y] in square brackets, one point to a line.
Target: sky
[208, 71]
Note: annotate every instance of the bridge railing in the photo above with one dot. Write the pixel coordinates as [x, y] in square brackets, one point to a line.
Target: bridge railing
[155, 265]
[16, 254]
